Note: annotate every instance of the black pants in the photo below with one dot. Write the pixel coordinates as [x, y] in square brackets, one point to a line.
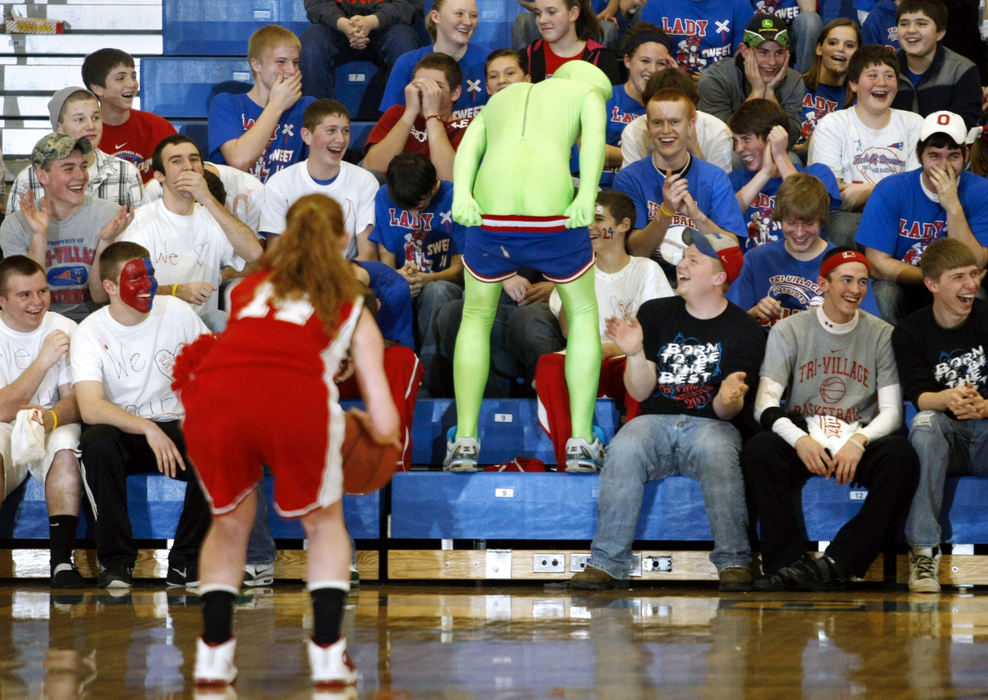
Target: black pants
[889, 469]
[109, 456]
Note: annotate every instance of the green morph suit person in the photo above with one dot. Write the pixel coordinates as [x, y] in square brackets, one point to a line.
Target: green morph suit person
[512, 178]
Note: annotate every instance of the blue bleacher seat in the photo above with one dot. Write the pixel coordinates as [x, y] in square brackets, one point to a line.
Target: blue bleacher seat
[196, 28]
[360, 86]
[155, 503]
[508, 428]
[181, 88]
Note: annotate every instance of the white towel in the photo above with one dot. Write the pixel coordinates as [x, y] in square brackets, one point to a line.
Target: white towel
[27, 443]
[831, 432]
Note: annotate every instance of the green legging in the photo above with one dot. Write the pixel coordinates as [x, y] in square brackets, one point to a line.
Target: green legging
[472, 357]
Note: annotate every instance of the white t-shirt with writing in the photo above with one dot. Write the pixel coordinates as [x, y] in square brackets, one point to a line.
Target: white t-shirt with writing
[620, 293]
[18, 350]
[244, 194]
[183, 248]
[857, 153]
[135, 363]
[353, 188]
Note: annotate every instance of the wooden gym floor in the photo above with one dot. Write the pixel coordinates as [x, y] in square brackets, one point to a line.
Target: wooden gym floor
[487, 641]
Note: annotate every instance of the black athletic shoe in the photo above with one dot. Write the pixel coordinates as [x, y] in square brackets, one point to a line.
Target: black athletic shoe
[65, 575]
[185, 577]
[804, 574]
[115, 578]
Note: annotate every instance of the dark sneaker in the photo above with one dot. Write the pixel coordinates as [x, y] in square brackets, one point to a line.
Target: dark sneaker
[65, 575]
[354, 578]
[185, 577]
[734, 579]
[804, 574]
[594, 579]
[115, 578]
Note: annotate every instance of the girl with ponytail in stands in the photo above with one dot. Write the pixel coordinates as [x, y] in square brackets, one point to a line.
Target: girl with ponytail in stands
[826, 80]
[451, 24]
[567, 28]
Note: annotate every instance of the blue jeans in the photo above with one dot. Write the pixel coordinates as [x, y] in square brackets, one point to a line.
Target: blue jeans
[654, 447]
[324, 48]
[429, 301]
[896, 301]
[260, 545]
[945, 446]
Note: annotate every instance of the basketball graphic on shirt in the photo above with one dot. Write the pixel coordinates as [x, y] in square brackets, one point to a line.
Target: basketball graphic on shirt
[832, 390]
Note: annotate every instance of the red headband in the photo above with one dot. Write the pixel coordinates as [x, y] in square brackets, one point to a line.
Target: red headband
[845, 256]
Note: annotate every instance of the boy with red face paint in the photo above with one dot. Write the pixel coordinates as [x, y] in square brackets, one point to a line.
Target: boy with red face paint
[122, 371]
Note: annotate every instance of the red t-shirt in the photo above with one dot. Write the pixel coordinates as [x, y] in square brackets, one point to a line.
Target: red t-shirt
[418, 137]
[136, 139]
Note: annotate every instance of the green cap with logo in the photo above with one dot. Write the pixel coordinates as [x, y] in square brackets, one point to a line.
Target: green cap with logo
[764, 28]
[56, 146]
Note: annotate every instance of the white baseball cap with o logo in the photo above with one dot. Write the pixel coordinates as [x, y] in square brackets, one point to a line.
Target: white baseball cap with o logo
[944, 122]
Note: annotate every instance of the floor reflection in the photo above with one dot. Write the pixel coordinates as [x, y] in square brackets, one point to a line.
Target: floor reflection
[464, 642]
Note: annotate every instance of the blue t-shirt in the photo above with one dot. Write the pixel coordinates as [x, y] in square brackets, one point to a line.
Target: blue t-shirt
[394, 317]
[231, 115]
[472, 97]
[769, 270]
[817, 104]
[430, 239]
[881, 27]
[708, 186]
[901, 220]
[702, 31]
[786, 9]
[758, 216]
[621, 111]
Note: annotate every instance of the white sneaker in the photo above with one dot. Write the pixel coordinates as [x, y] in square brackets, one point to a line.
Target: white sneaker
[924, 570]
[584, 457]
[259, 574]
[461, 454]
[331, 666]
[214, 664]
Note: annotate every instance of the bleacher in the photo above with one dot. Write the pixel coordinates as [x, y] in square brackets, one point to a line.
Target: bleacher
[183, 49]
[426, 524]
[432, 525]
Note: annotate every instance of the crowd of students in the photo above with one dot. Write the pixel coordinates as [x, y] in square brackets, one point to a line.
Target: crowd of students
[769, 163]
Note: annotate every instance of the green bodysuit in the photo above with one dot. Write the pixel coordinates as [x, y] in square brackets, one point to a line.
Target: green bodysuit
[514, 160]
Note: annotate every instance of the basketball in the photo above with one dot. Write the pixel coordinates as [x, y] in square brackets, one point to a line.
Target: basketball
[367, 466]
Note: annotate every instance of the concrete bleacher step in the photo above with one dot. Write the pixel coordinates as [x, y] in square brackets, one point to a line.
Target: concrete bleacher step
[78, 44]
[100, 16]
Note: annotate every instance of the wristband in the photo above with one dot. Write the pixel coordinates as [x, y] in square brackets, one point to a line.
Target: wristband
[174, 290]
[854, 442]
[54, 419]
[664, 211]
[432, 116]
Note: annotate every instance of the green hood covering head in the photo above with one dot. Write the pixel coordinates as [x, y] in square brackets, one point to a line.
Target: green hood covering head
[586, 73]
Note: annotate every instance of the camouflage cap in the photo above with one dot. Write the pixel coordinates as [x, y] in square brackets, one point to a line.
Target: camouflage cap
[56, 146]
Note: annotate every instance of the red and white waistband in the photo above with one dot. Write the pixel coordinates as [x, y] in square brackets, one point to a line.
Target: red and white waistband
[510, 224]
